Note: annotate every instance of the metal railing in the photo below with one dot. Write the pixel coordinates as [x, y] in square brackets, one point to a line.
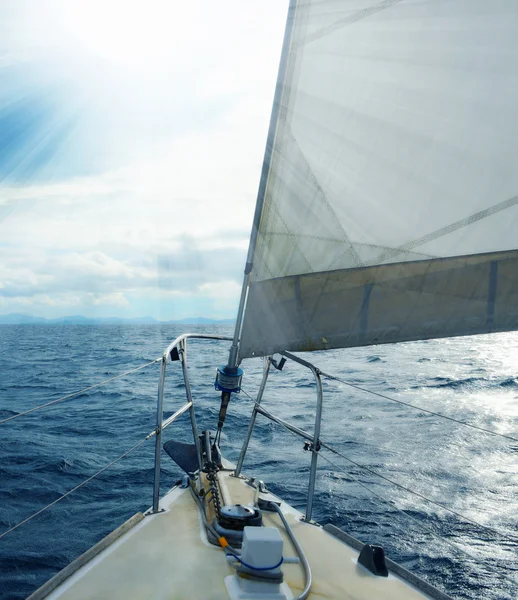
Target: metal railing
[177, 350]
[313, 440]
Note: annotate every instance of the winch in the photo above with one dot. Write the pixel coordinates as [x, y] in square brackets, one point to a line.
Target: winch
[234, 518]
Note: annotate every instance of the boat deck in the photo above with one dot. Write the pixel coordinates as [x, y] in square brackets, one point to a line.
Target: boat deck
[168, 557]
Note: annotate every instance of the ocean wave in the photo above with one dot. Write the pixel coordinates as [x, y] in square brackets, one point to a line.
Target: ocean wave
[50, 451]
[509, 382]
[374, 358]
[481, 382]
[5, 413]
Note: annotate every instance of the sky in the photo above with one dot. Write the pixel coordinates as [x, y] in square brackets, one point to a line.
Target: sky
[131, 140]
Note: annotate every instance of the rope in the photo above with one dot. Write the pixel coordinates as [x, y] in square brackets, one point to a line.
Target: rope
[80, 392]
[419, 495]
[430, 412]
[255, 568]
[404, 513]
[403, 487]
[2, 535]
[419, 523]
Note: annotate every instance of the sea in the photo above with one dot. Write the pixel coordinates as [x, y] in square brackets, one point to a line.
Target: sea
[399, 472]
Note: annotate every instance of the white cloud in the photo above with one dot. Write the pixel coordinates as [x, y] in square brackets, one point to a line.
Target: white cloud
[178, 146]
[115, 299]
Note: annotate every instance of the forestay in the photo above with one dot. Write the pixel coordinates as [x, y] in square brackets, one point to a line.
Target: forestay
[391, 189]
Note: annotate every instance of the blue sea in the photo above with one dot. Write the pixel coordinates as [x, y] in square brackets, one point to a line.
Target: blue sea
[48, 452]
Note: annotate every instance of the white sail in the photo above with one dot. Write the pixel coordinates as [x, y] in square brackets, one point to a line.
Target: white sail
[391, 199]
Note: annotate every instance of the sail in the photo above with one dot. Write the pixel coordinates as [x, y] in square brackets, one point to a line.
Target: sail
[389, 208]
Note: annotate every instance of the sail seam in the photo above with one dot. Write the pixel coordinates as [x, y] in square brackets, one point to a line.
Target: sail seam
[350, 20]
[306, 237]
[364, 311]
[295, 247]
[491, 298]
[425, 255]
[285, 87]
[429, 237]
[323, 198]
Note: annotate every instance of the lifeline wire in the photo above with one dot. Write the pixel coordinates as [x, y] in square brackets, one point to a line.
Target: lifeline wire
[419, 523]
[387, 501]
[67, 397]
[401, 486]
[393, 504]
[430, 412]
[74, 489]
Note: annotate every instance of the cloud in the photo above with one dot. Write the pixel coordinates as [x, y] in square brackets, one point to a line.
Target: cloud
[94, 279]
[114, 299]
[184, 270]
[131, 185]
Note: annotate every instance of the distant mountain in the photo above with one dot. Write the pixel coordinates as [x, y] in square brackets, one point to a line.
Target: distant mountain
[203, 321]
[17, 319]
[20, 319]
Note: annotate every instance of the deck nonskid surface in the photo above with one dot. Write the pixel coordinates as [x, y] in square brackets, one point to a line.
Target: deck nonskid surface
[167, 557]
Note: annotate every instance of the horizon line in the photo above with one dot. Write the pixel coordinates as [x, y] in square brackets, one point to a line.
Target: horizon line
[28, 317]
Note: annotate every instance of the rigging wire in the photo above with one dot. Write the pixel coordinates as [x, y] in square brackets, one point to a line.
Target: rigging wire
[419, 523]
[386, 500]
[3, 534]
[400, 510]
[394, 505]
[80, 392]
[509, 538]
[430, 412]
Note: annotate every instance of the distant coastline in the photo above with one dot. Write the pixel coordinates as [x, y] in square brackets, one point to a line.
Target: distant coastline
[21, 319]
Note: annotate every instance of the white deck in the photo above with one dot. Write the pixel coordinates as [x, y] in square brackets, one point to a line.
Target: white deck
[167, 557]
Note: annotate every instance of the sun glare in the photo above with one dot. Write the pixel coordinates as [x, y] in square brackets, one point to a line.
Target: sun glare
[128, 32]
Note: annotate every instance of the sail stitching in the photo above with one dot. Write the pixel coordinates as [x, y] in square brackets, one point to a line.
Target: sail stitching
[262, 240]
[323, 292]
[472, 297]
[269, 234]
[491, 295]
[282, 164]
[269, 209]
[429, 237]
[354, 18]
[308, 237]
[323, 198]
[425, 255]
[421, 293]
